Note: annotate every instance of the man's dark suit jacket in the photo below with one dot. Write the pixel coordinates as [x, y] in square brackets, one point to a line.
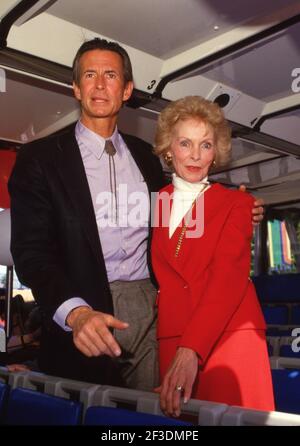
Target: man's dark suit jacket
[56, 246]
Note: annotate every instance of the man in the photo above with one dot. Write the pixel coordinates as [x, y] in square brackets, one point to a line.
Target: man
[81, 271]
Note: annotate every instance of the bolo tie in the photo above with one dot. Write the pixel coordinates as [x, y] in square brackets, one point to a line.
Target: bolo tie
[111, 151]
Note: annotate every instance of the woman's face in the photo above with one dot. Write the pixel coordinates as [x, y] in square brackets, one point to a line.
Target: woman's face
[193, 149]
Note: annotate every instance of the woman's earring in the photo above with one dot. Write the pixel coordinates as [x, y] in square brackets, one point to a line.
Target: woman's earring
[214, 163]
[168, 158]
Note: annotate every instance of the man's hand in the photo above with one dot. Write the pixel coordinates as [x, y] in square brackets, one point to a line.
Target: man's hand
[258, 210]
[91, 333]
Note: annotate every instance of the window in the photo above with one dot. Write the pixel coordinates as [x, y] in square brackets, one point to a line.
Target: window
[18, 288]
[280, 256]
[283, 239]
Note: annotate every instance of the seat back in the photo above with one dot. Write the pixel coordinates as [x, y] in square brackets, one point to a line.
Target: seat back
[276, 315]
[240, 416]
[112, 416]
[278, 288]
[4, 390]
[286, 385]
[288, 352]
[29, 407]
[295, 315]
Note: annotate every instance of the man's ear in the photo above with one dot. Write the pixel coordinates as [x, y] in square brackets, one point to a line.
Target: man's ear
[76, 90]
[127, 91]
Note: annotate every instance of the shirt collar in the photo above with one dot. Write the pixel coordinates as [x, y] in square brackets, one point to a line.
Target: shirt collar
[184, 186]
[94, 142]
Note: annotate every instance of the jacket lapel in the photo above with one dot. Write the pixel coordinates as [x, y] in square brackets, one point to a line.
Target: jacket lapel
[73, 177]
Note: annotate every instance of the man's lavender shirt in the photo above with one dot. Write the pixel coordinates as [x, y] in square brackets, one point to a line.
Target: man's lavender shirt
[124, 247]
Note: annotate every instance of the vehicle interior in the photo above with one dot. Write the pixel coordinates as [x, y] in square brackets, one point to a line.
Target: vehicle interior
[243, 55]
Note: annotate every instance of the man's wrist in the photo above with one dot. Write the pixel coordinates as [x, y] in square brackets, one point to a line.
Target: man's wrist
[72, 316]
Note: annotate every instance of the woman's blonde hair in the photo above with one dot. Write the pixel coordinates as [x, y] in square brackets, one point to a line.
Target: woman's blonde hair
[194, 107]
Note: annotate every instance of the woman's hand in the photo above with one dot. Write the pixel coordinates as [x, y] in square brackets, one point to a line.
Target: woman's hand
[178, 381]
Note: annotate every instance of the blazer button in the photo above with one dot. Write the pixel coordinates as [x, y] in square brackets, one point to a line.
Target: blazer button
[185, 286]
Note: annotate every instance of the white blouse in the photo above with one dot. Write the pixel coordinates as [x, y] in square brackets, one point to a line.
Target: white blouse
[183, 198]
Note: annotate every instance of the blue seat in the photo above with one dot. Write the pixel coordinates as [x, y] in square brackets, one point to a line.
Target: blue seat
[29, 407]
[278, 288]
[276, 315]
[111, 416]
[286, 385]
[296, 315]
[4, 390]
[288, 352]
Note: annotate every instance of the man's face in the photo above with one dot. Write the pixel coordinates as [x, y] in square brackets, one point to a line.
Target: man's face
[101, 88]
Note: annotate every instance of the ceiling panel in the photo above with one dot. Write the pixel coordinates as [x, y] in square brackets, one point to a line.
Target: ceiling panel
[263, 71]
[162, 28]
[285, 126]
[6, 6]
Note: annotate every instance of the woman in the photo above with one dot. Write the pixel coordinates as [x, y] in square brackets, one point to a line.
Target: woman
[211, 331]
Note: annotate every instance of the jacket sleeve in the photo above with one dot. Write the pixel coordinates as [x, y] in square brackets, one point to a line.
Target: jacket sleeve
[34, 242]
[227, 280]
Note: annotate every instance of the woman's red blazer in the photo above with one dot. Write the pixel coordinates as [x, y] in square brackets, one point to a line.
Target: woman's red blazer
[206, 290]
